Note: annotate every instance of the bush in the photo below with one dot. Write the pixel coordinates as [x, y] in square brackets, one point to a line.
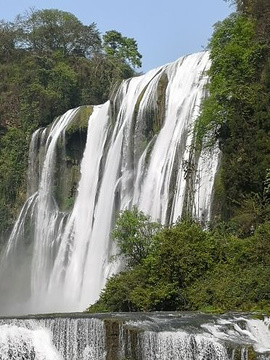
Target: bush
[133, 235]
[188, 268]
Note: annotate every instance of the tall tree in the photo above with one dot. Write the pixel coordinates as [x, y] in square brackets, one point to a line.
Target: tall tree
[7, 40]
[51, 30]
[121, 47]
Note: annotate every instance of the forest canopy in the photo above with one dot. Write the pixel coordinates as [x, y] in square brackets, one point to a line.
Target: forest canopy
[50, 62]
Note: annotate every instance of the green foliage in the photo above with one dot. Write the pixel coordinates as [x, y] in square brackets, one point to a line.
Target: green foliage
[239, 280]
[183, 253]
[121, 47]
[97, 78]
[236, 113]
[49, 62]
[13, 160]
[235, 56]
[7, 41]
[258, 10]
[189, 268]
[133, 235]
[54, 30]
[117, 296]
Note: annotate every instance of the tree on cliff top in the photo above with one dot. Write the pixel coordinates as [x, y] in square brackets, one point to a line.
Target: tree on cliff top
[121, 47]
[51, 30]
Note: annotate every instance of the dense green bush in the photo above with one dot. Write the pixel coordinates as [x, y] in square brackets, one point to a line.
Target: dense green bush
[190, 268]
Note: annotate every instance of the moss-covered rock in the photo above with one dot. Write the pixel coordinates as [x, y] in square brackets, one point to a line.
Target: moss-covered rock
[69, 155]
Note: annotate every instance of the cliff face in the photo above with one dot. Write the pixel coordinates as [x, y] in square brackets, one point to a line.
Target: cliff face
[65, 161]
[68, 159]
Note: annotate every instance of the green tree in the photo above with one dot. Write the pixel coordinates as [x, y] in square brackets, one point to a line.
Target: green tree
[7, 41]
[54, 30]
[183, 253]
[121, 47]
[159, 278]
[133, 235]
[98, 78]
[239, 277]
[258, 10]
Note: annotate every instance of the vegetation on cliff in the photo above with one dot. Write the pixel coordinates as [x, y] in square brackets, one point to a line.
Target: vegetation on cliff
[185, 267]
[50, 62]
[236, 113]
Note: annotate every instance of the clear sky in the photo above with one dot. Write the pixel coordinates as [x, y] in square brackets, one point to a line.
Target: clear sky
[163, 29]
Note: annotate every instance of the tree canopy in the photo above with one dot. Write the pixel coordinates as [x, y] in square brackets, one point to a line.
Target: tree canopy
[49, 62]
[54, 30]
[121, 47]
[133, 234]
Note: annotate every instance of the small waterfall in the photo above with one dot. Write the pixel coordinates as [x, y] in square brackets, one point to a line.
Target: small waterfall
[135, 336]
[29, 255]
[243, 330]
[180, 345]
[78, 338]
[20, 342]
[194, 336]
[52, 339]
[139, 151]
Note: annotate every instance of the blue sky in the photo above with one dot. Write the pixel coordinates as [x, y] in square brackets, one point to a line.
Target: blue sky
[164, 30]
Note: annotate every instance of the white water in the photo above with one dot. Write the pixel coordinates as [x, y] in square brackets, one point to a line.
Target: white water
[254, 331]
[21, 343]
[78, 338]
[60, 263]
[167, 345]
[52, 339]
[157, 336]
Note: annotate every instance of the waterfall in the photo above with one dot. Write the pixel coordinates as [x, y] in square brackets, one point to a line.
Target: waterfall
[52, 339]
[180, 345]
[185, 336]
[139, 150]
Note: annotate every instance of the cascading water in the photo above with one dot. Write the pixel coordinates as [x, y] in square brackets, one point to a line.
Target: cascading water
[138, 152]
[162, 336]
[52, 339]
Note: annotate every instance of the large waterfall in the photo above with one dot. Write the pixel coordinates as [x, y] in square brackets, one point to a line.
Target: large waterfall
[139, 152]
